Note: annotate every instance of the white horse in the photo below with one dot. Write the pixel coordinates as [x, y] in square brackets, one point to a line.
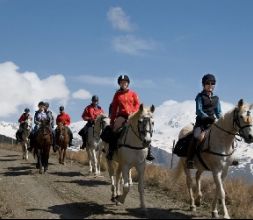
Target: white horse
[26, 130]
[217, 152]
[95, 144]
[132, 151]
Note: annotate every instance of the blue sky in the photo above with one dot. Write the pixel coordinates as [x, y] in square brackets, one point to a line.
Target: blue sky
[164, 46]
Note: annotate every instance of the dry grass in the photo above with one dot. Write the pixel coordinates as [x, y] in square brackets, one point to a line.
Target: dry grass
[239, 194]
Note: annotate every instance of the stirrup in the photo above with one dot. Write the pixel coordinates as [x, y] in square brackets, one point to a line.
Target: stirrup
[235, 163]
[190, 164]
[83, 146]
[150, 157]
[109, 156]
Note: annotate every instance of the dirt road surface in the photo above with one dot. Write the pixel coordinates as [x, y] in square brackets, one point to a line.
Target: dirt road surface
[69, 191]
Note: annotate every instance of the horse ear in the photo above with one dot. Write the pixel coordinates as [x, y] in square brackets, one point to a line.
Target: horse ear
[240, 103]
[152, 108]
[141, 107]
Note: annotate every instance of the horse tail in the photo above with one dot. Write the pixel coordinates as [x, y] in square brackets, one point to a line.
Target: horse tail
[177, 172]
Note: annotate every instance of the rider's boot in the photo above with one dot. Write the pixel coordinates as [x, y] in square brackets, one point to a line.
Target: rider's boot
[150, 157]
[191, 153]
[109, 156]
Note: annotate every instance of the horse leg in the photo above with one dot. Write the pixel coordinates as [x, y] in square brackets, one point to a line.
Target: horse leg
[199, 193]
[112, 177]
[64, 155]
[126, 187]
[39, 156]
[23, 149]
[99, 154]
[89, 158]
[94, 162]
[130, 177]
[26, 151]
[220, 193]
[46, 156]
[141, 170]
[118, 180]
[190, 189]
[59, 151]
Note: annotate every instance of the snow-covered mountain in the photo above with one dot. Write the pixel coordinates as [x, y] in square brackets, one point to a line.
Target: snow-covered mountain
[8, 129]
[170, 117]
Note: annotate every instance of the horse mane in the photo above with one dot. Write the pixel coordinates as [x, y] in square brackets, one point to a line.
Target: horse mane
[134, 117]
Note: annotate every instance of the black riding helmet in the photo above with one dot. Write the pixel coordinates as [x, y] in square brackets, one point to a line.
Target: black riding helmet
[95, 98]
[46, 104]
[208, 78]
[123, 77]
[61, 108]
[27, 110]
[41, 104]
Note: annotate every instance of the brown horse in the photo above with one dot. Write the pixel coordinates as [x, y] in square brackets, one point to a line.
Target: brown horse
[62, 140]
[42, 144]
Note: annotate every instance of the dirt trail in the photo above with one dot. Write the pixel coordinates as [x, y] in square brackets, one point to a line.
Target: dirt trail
[70, 192]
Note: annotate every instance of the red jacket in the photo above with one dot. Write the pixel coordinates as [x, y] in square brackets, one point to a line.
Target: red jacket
[64, 118]
[124, 104]
[90, 113]
[23, 118]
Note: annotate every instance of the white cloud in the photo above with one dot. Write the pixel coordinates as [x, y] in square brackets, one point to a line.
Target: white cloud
[132, 45]
[120, 20]
[96, 80]
[81, 94]
[19, 89]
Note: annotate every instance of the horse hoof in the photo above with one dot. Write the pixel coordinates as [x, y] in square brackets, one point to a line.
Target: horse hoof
[113, 199]
[198, 202]
[118, 203]
[40, 171]
[193, 208]
[215, 215]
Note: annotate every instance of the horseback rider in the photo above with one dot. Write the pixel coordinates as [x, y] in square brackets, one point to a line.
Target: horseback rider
[51, 122]
[208, 109]
[23, 118]
[40, 115]
[64, 118]
[125, 103]
[90, 114]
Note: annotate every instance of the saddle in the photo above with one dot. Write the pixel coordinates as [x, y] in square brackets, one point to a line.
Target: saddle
[182, 145]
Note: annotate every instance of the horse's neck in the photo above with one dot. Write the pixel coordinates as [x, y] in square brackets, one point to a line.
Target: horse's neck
[131, 136]
[220, 139]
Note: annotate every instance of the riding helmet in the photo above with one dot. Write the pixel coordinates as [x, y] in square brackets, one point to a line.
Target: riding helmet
[41, 104]
[95, 98]
[46, 104]
[208, 78]
[61, 108]
[123, 77]
[27, 110]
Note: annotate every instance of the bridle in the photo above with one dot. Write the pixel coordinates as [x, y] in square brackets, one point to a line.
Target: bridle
[142, 132]
[236, 124]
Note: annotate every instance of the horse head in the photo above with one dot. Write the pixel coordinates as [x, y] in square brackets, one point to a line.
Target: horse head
[144, 122]
[243, 121]
[61, 131]
[101, 122]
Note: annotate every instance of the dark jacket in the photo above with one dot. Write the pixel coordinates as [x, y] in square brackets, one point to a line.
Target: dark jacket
[207, 109]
